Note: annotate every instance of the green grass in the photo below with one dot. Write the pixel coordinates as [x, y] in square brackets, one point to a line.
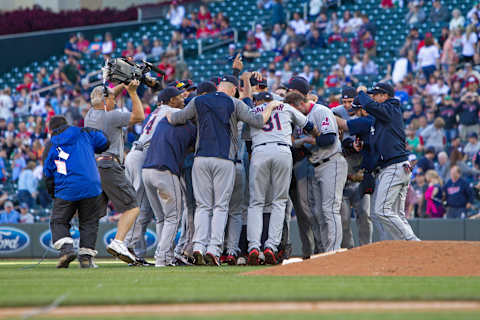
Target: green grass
[307, 316]
[115, 283]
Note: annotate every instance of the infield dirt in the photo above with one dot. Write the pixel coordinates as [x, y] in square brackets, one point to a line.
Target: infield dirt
[391, 258]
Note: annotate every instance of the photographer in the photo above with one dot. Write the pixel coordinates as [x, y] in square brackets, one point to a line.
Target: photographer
[115, 185]
[73, 181]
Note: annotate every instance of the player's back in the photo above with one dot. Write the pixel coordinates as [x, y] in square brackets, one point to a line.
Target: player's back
[152, 123]
[279, 127]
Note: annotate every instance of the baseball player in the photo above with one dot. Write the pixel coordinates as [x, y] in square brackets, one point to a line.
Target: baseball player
[115, 185]
[170, 99]
[161, 174]
[271, 169]
[351, 193]
[184, 248]
[395, 170]
[302, 197]
[329, 164]
[216, 115]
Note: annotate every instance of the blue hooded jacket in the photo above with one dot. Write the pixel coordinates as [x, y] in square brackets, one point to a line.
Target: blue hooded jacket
[82, 179]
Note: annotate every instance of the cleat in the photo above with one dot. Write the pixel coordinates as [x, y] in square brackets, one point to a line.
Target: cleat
[270, 257]
[117, 249]
[212, 260]
[253, 257]
[198, 258]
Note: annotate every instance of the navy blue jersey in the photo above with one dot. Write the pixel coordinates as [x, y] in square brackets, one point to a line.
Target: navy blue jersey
[169, 146]
[458, 193]
[389, 139]
[364, 128]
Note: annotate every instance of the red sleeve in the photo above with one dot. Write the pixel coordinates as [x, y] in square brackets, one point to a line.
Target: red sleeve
[421, 140]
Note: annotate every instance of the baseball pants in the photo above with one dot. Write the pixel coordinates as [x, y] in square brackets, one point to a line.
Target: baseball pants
[135, 237]
[89, 212]
[213, 181]
[164, 191]
[361, 206]
[184, 245]
[270, 168]
[303, 202]
[236, 209]
[389, 201]
[328, 183]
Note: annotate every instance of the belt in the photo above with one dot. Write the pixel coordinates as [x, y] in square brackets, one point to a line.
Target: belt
[277, 143]
[316, 164]
[237, 161]
[138, 147]
[107, 158]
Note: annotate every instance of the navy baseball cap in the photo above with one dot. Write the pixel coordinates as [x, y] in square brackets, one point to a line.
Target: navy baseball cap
[299, 83]
[206, 87]
[168, 93]
[188, 84]
[382, 87]
[229, 78]
[216, 80]
[348, 92]
[263, 96]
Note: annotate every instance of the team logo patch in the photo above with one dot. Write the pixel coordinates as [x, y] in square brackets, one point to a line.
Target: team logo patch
[150, 238]
[46, 239]
[13, 240]
[325, 124]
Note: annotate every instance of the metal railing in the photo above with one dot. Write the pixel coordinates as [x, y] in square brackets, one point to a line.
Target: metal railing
[201, 48]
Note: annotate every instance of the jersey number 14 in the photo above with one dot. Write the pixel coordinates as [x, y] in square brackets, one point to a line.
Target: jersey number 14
[269, 126]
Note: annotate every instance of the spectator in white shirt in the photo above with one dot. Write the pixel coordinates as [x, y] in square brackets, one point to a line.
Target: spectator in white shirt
[457, 20]
[355, 23]
[298, 24]
[437, 88]
[428, 56]
[139, 54]
[25, 216]
[108, 45]
[38, 106]
[287, 73]
[175, 14]
[269, 43]
[307, 73]
[365, 66]
[342, 64]
[6, 105]
[469, 44]
[157, 49]
[344, 22]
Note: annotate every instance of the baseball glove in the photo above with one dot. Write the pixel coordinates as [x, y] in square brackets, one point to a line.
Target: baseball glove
[367, 186]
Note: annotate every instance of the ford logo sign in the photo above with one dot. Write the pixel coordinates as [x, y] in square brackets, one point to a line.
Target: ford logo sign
[46, 239]
[150, 238]
[13, 240]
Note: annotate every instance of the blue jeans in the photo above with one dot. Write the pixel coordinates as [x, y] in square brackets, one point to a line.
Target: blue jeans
[428, 71]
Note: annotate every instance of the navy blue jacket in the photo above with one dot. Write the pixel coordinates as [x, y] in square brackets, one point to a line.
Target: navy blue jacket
[170, 146]
[363, 127]
[389, 139]
[458, 193]
[82, 179]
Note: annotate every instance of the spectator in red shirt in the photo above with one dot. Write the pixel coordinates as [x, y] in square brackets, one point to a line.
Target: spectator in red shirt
[82, 43]
[204, 15]
[203, 31]
[27, 82]
[167, 67]
[129, 51]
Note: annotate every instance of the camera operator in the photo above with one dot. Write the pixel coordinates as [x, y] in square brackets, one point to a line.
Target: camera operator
[115, 185]
[352, 195]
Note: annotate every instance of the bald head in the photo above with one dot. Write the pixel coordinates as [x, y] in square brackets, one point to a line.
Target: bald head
[227, 87]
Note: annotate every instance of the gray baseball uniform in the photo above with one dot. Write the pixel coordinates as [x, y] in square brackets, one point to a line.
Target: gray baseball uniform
[133, 170]
[271, 169]
[330, 176]
[213, 172]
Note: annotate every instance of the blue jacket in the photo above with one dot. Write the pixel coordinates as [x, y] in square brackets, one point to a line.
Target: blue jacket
[389, 137]
[82, 179]
[170, 146]
[458, 193]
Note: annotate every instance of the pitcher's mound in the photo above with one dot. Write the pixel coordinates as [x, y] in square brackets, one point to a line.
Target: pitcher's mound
[391, 258]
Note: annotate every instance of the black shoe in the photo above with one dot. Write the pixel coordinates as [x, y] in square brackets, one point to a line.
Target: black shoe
[181, 260]
[65, 259]
[142, 262]
[86, 261]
